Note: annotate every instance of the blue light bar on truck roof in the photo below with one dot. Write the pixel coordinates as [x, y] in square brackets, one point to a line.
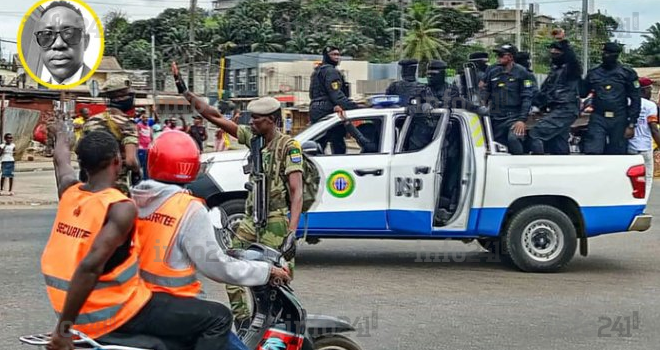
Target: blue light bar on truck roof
[384, 101]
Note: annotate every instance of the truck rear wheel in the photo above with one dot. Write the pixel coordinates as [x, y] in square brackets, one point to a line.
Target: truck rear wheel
[540, 238]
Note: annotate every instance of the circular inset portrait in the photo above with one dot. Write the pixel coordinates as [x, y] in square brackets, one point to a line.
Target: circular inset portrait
[60, 43]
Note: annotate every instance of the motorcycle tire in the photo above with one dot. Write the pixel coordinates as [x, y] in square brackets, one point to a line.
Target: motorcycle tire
[335, 342]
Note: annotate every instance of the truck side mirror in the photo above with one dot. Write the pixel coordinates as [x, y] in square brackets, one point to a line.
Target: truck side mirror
[311, 148]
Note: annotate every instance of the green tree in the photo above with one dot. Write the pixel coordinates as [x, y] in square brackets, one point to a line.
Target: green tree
[265, 39]
[483, 5]
[422, 35]
[136, 55]
[115, 27]
[650, 48]
[457, 26]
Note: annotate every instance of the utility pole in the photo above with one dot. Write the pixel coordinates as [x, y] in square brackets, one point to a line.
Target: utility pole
[518, 22]
[153, 68]
[531, 34]
[403, 11]
[206, 78]
[585, 36]
[191, 52]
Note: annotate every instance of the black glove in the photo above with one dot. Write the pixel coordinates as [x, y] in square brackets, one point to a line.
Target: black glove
[288, 247]
[180, 85]
[136, 177]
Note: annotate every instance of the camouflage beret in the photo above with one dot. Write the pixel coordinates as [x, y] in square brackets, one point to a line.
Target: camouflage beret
[115, 83]
[263, 106]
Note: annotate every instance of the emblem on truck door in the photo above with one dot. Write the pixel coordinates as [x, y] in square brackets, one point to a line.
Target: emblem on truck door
[340, 184]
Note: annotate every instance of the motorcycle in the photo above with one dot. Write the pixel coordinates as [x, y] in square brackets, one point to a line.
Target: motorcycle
[278, 322]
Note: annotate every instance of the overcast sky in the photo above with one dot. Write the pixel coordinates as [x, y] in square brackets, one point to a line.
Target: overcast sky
[635, 15]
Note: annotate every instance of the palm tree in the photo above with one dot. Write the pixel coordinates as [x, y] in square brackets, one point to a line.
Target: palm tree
[177, 44]
[422, 35]
[298, 43]
[265, 39]
[651, 46]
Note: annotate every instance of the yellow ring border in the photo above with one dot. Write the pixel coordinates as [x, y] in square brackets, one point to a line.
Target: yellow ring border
[19, 37]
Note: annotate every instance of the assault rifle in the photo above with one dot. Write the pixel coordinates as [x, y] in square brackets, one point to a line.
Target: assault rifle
[474, 101]
[258, 185]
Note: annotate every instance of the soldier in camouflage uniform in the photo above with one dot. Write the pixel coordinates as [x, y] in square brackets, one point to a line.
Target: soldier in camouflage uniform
[282, 161]
[115, 121]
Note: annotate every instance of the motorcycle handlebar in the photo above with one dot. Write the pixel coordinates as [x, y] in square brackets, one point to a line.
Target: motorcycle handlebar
[258, 252]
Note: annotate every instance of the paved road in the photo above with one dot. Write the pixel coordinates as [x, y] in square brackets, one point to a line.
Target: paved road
[463, 301]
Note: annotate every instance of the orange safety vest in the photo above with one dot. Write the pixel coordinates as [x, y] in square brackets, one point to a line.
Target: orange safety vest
[156, 234]
[118, 294]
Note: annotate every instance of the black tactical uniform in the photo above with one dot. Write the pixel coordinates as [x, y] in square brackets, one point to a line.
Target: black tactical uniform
[445, 95]
[408, 88]
[522, 58]
[480, 60]
[559, 95]
[509, 98]
[612, 84]
[327, 90]
[366, 136]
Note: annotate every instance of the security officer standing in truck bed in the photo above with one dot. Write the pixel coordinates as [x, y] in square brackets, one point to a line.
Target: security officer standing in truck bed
[446, 95]
[328, 89]
[409, 90]
[507, 89]
[559, 95]
[613, 85]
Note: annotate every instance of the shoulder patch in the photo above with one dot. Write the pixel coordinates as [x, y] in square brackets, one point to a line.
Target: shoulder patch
[335, 85]
[528, 83]
[636, 84]
[295, 155]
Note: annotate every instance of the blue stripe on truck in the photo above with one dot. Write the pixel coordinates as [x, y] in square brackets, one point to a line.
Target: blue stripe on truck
[599, 220]
[482, 222]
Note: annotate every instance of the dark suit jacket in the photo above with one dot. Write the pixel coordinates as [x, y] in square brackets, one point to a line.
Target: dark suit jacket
[85, 70]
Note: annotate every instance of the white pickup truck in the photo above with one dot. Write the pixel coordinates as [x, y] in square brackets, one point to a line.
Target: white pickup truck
[459, 184]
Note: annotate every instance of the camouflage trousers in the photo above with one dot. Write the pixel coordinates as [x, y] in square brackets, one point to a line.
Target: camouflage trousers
[272, 236]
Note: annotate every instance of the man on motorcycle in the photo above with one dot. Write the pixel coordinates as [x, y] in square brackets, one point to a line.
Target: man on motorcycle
[90, 262]
[175, 230]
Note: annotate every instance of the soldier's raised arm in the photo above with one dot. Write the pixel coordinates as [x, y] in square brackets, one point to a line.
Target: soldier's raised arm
[204, 109]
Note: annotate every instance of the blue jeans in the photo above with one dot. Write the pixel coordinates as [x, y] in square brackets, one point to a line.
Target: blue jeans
[235, 343]
[142, 157]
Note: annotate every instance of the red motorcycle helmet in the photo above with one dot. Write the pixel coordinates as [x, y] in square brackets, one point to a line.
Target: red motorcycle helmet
[173, 158]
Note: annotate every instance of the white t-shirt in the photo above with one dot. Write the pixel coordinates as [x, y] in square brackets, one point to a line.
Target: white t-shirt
[7, 152]
[643, 141]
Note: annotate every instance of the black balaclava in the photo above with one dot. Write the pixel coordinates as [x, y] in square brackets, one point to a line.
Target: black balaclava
[481, 65]
[557, 58]
[124, 105]
[326, 56]
[522, 58]
[610, 59]
[408, 69]
[436, 73]
[610, 55]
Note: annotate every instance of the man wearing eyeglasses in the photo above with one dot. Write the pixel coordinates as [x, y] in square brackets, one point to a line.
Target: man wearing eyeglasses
[63, 41]
[507, 89]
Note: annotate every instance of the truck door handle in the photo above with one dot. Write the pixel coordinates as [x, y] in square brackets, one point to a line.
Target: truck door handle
[422, 170]
[362, 172]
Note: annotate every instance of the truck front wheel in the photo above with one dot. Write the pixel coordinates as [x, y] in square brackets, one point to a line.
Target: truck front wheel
[235, 209]
[540, 238]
